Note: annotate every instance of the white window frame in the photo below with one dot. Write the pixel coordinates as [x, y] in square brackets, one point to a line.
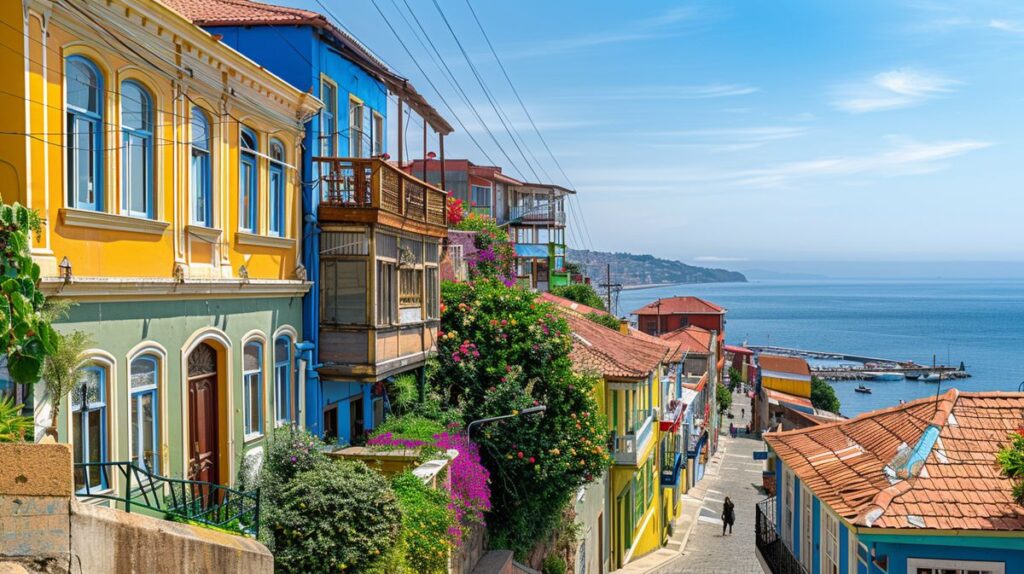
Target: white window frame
[959, 565]
[787, 507]
[807, 528]
[829, 543]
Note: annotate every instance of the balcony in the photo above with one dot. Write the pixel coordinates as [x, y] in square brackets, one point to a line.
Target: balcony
[671, 415]
[628, 447]
[541, 214]
[776, 555]
[369, 191]
[670, 469]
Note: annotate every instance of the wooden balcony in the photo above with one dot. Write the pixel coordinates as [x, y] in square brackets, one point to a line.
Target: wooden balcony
[373, 191]
[369, 354]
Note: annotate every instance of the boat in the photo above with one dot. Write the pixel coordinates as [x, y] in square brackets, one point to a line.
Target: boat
[862, 389]
[883, 376]
[912, 375]
[931, 378]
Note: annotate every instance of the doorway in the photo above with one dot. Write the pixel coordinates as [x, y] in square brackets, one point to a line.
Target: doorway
[331, 423]
[204, 450]
[356, 420]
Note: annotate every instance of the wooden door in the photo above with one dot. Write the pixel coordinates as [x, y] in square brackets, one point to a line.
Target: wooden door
[204, 451]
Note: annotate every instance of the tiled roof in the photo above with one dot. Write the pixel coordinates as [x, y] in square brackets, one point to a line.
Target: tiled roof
[690, 339]
[794, 365]
[738, 350]
[680, 305]
[608, 352]
[787, 399]
[863, 468]
[571, 305]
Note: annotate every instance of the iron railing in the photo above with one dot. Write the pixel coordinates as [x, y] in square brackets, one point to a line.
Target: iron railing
[203, 502]
[776, 554]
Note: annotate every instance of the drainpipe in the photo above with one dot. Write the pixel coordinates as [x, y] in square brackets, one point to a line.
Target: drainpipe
[309, 388]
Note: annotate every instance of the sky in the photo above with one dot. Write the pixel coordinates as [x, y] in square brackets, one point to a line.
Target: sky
[734, 134]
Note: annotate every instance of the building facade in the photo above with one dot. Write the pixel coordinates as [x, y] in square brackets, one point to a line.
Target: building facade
[165, 166]
[783, 383]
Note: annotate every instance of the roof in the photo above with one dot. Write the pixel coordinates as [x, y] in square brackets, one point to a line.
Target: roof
[609, 352]
[776, 364]
[571, 305]
[926, 464]
[250, 13]
[793, 401]
[738, 350]
[691, 339]
[680, 306]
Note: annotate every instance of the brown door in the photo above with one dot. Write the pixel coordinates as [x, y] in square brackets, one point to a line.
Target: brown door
[204, 454]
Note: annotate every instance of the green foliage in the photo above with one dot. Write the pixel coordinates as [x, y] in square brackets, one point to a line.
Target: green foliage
[583, 293]
[573, 268]
[13, 426]
[62, 369]
[26, 337]
[553, 564]
[723, 396]
[413, 427]
[823, 396]
[735, 376]
[606, 320]
[495, 256]
[404, 393]
[1011, 462]
[426, 524]
[500, 351]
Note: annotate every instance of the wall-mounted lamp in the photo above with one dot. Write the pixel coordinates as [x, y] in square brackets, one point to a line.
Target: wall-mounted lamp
[65, 270]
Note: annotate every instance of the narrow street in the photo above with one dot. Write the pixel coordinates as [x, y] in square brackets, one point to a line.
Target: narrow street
[735, 474]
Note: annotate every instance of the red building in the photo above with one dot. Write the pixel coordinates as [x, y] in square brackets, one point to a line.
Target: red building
[667, 315]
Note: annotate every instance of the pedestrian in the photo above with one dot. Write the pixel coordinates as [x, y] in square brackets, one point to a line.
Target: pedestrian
[732, 430]
[743, 413]
[728, 515]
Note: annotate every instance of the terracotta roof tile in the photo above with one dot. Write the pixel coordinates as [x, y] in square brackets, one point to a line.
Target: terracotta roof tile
[609, 352]
[680, 305]
[959, 487]
[571, 305]
[693, 340]
[794, 365]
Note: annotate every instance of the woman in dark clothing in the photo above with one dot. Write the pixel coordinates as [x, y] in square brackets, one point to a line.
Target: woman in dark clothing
[728, 515]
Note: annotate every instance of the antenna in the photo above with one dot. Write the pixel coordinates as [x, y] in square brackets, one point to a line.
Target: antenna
[609, 287]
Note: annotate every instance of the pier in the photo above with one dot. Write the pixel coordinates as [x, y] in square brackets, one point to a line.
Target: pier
[867, 369]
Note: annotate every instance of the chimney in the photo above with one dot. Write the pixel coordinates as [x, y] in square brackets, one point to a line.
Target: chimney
[624, 326]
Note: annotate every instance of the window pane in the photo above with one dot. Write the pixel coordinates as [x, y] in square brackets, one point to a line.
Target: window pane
[137, 166]
[251, 360]
[143, 373]
[249, 140]
[83, 85]
[135, 107]
[343, 285]
[200, 130]
[277, 151]
[248, 191]
[142, 430]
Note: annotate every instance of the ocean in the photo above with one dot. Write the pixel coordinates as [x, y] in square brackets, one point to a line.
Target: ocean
[979, 322]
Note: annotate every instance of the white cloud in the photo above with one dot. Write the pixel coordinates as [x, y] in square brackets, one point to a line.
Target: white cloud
[1006, 26]
[891, 90]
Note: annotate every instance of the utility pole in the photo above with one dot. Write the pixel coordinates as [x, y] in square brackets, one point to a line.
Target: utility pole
[609, 287]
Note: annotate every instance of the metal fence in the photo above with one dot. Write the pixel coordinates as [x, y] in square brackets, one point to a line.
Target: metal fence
[776, 554]
[203, 502]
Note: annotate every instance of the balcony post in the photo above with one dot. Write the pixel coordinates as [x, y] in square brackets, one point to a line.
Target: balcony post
[440, 145]
[424, 150]
[401, 146]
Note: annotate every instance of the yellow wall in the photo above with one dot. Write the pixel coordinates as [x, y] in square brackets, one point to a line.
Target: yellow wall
[798, 388]
[115, 246]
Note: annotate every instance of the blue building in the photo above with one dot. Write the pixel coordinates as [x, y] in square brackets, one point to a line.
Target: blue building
[372, 233]
[913, 489]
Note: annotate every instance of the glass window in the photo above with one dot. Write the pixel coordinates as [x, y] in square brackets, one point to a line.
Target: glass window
[276, 195]
[328, 119]
[480, 196]
[202, 175]
[143, 378]
[433, 294]
[386, 303]
[355, 128]
[89, 429]
[247, 181]
[84, 96]
[410, 288]
[343, 292]
[378, 134]
[252, 388]
[806, 528]
[136, 150]
[282, 380]
[829, 543]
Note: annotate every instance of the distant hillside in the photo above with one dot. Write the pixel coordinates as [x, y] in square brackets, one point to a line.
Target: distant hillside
[630, 269]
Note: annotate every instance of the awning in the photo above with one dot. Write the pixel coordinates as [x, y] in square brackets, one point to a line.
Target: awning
[531, 250]
[791, 401]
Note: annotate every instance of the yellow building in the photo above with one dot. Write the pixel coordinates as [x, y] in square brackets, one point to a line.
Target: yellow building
[163, 163]
[785, 382]
[638, 510]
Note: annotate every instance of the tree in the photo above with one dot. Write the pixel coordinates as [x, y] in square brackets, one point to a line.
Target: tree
[495, 256]
[1011, 464]
[606, 320]
[62, 370]
[823, 396]
[26, 337]
[723, 396]
[583, 293]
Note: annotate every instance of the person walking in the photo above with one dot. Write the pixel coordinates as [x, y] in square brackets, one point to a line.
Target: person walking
[728, 515]
[743, 413]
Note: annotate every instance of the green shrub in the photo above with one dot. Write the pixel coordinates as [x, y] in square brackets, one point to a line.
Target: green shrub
[606, 320]
[581, 293]
[823, 396]
[553, 564]
[412, 427]
[427, 524]
[404, 393]
[724, 398]
[13, 426]
[337, 517]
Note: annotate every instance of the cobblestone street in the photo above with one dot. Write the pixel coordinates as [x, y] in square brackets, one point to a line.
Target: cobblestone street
[737, 476]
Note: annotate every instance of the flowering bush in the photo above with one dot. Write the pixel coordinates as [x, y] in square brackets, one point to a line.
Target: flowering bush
[501, 350]
[426, 524]
[495, 256]
[455, 212]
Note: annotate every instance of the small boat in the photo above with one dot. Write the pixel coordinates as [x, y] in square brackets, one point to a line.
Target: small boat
[912, 375]
[879, 376]
[931, 378]
[863, 389]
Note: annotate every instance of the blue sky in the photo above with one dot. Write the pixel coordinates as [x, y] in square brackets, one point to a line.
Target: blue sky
[737, 133]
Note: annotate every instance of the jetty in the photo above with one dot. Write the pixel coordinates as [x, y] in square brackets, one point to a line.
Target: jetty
[864, 367]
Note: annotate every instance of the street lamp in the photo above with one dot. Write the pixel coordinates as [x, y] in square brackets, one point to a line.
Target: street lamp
[526, 411]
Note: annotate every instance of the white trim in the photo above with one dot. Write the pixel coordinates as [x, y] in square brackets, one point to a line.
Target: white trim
[256, 239]
[145, 289]
[293, 336]
[960, 565]
[151, 348]
[207, 234]
[113, 221]
[108, 362]
[256, 335]
[828, 517]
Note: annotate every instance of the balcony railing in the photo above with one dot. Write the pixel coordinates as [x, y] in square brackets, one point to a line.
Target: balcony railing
[361, 183]
[537, 213]
[670, 469]
[203, 502]
[776, 554]
[671, 414]
[627, 447]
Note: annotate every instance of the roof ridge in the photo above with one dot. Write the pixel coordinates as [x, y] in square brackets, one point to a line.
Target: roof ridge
[862, 416]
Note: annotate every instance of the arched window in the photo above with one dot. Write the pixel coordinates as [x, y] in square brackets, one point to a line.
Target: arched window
[84, 96]
[252, 388]
[247, 181]
[144, 378]
[202, 175]
[276, 195]
[89, 429]
[282, 380]
[136, 150]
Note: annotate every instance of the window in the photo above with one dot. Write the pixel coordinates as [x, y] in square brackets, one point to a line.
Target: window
[282, 380]
[343, 292]
[829, 543]
[410, 287]
[787, 507]
[387, 309]
[355, 128]
[252, 388]
[328, 119]
[247, 181]
[480, 196]
[202, 175]
[136, 150]
[433, 294]
[806, 529]
[927, 566]
[144, 378]
[378, 134]
[276, 195]
[84, 96]
[89, 428]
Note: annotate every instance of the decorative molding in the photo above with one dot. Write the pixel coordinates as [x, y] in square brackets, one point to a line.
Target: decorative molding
[112, 221]
[246, 238]
[144, 289]
[207, 234]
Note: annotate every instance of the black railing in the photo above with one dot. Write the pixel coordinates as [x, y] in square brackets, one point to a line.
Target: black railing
[776, 554]
[203, 502]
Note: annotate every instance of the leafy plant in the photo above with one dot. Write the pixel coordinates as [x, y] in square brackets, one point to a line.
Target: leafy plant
[13, 426]
[410, 431]
[723, 396]
[823, 396]
[553, 564]
[1011, 462]
[26, 337]
[62, 370]
[404, 393]
[583, 293]
[427, 524]
[495, 256]
[735, 376]
[605, 320]
[455, 211]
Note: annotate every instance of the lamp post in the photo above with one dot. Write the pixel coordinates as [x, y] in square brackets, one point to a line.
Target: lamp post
[526, 411]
